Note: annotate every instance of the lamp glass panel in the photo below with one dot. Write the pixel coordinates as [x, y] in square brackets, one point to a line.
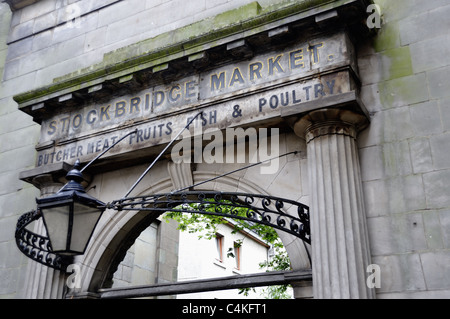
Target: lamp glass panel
[84, 220]
[57, 222]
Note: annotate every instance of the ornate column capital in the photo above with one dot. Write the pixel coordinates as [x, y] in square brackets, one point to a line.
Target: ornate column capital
[47, 184]
[330, 121]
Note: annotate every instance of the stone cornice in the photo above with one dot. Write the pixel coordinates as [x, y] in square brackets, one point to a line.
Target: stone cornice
[156, 57]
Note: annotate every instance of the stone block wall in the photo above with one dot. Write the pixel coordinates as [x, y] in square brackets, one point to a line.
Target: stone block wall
[405, 151]
[18, 136]
[53, 38]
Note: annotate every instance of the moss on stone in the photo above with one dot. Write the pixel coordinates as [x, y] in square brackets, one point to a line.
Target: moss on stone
[388, 37]
[400, 62]
[399, 85]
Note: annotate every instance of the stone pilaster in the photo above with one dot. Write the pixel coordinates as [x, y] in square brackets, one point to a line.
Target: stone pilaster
[43, 282]
[340, 247]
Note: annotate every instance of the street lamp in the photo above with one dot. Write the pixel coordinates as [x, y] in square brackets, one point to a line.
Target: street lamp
[70, 215]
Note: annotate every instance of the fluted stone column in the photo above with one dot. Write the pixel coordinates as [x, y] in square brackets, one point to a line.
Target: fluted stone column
[340, 248]
[43, 282]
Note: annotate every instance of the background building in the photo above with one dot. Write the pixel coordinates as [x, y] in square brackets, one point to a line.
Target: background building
[197, 257]
[386, 201]
[203, 258]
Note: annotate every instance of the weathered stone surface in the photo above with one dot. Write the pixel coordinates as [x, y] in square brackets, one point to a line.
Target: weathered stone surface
[403, 153]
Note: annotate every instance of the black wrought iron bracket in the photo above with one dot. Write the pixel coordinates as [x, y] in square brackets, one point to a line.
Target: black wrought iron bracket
[256, 208]
[34, 246]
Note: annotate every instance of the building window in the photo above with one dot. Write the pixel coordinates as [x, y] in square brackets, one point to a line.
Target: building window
[219, 247]
[237, 255]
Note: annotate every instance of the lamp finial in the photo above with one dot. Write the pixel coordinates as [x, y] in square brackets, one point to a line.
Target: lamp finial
[74, 177]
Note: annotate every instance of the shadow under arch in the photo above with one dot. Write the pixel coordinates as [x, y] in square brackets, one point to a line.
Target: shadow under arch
[118, 233]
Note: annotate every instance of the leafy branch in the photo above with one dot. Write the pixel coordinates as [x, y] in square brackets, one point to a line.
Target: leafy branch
[206, 226]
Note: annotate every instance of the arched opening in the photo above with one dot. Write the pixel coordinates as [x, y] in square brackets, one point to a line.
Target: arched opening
[253, 217]
[129, 224]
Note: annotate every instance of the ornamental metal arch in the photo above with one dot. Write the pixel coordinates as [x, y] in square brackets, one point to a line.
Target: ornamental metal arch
[255, 208]
[262, 209]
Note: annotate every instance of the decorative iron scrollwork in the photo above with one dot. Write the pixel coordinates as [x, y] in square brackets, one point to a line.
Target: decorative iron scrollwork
[262, 209]
[34, 246]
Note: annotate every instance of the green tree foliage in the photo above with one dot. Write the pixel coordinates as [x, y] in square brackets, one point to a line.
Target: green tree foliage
[206, 226]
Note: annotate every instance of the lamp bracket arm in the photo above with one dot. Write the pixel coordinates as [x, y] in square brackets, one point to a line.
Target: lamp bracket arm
[160, 154]
[105, 151]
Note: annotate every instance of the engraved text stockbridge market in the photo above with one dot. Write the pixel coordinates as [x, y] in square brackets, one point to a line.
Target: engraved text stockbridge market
[233, 94]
